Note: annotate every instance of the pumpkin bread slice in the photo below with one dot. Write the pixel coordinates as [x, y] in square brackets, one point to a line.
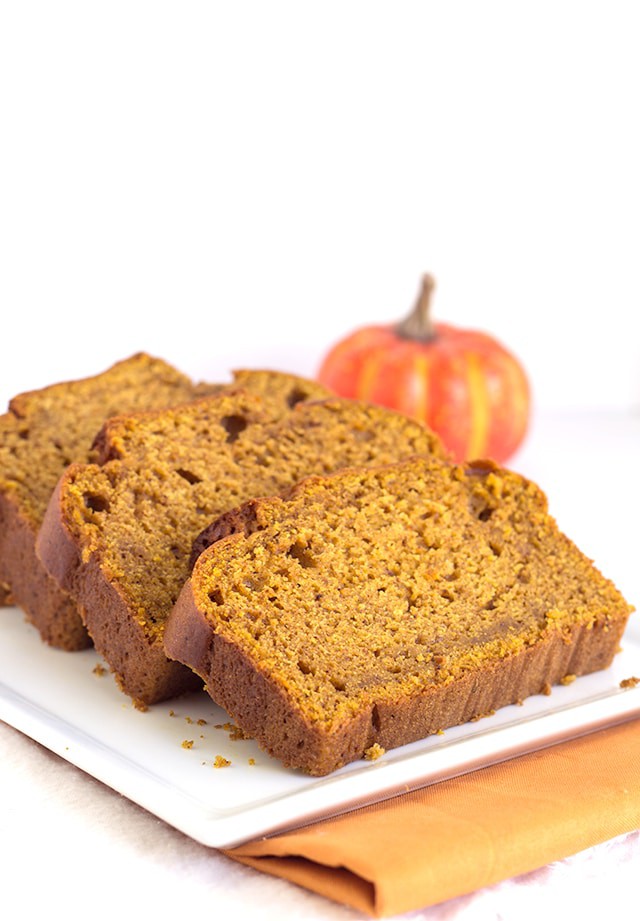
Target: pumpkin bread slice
[46, 430]
[375, 607]
[118, 534]
[42, 432]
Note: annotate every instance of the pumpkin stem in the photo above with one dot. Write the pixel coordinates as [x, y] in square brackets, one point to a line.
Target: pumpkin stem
[418, 325]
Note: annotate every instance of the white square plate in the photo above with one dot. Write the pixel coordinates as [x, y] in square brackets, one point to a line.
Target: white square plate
[163, 759]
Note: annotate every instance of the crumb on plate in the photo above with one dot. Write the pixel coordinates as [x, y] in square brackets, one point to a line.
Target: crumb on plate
[374, 752]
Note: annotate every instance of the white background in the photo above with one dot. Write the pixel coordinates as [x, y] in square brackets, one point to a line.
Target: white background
[240, 184]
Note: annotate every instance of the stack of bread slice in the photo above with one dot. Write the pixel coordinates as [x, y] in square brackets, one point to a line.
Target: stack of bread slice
[321, 565]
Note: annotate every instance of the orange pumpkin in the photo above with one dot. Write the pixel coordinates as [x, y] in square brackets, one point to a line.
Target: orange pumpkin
[462, 383]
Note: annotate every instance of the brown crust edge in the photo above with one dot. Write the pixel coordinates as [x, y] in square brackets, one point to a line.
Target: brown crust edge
[28, 584]
[261, 709]
[138, 661]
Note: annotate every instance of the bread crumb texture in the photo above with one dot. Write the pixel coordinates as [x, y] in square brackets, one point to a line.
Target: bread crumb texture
[46, 430]
[163, 477]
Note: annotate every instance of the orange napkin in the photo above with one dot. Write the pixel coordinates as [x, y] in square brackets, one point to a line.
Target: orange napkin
[463, 834]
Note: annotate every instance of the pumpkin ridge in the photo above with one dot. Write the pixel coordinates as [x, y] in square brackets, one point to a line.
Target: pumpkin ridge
[479, 408]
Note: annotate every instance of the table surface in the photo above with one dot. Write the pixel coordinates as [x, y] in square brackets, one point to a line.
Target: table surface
[68, 841]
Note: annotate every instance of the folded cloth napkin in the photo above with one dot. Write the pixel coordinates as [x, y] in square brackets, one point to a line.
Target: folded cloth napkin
[463, 834]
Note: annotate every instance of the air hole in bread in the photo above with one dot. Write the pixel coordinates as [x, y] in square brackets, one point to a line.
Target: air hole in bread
[295, 396]
[96, 503]
[338, 684]
[203, 543]
[300, 552]
[485, 513]
[24, 434]
[495, 548]
[375, 718]
[216, 596]
[188, 476]
[233, 426]
[305, 668]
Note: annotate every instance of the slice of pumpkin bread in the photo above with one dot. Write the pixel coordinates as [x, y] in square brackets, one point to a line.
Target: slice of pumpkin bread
[118, 534]
[45, 430]
[42, 432]
[375, 607]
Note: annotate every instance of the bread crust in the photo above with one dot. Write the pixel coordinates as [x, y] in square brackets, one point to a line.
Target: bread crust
[46, 605]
